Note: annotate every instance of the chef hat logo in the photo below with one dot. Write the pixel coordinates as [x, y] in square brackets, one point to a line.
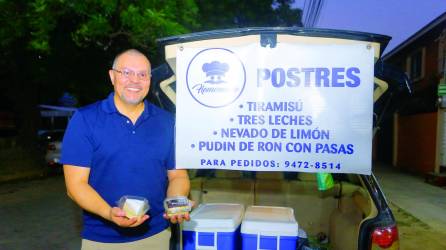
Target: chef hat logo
[215, 72]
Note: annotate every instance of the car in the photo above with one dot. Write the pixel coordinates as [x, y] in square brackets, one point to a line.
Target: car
[52, 143]
[353, 213]
[54, 120]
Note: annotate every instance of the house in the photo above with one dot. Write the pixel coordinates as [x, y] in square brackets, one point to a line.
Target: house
[419, 124]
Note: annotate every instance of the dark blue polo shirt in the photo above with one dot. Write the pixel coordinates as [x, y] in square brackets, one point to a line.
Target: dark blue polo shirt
[124, 159]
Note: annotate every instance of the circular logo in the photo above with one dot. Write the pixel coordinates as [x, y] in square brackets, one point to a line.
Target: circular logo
[215, 77]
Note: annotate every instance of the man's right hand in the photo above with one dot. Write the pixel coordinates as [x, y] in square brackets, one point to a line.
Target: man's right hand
[80, 191]
[117, 215]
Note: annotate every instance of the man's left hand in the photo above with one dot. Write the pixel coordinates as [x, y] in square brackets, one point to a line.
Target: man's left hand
[177, 218]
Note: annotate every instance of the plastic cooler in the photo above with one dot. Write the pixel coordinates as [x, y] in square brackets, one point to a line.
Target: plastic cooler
[213, 226]
[273, 228]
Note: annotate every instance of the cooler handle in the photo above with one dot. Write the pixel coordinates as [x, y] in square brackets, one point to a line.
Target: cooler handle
[198, 247]
[258, 243]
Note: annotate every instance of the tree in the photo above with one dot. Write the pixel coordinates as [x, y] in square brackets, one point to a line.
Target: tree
[247, 13]
[287, 16]
[95, 22]
[52, 46]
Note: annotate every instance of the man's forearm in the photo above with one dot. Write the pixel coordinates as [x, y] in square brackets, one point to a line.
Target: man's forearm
[178, 186]
[87, 198]
[78, 189]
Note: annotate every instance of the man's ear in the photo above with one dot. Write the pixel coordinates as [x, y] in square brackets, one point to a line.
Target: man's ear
[112, 76]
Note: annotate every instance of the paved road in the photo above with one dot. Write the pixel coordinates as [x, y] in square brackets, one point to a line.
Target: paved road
[411, 193]
[419, 208]
[38, 215]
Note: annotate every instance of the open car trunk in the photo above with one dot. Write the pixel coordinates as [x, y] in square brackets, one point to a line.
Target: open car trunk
[335, 214]
[342, 217]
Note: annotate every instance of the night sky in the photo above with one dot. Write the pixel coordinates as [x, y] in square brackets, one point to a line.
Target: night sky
[396, 18]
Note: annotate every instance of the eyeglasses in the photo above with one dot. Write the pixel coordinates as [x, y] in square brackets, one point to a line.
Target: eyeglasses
[127, 73]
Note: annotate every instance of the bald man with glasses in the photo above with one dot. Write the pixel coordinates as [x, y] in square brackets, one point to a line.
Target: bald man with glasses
[123, 145]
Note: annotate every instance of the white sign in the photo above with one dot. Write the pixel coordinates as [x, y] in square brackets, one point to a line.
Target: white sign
[305, 108]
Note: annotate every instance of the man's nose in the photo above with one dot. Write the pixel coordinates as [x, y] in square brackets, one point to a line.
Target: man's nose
[133, 77]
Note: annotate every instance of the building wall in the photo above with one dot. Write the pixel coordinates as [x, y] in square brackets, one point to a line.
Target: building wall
[415, 131]
[416, 136]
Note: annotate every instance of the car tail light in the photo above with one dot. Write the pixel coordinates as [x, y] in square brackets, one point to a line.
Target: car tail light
[385, 238]
[51, 147]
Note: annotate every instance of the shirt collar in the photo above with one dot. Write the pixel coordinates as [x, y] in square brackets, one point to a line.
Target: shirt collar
[108, 105]
[148, 110]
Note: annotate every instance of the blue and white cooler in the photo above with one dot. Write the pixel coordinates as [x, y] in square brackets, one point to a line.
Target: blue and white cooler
[214, 226]
[273, 228]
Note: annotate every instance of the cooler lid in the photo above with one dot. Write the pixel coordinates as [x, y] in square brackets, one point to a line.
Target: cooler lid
[212, 217]
[269, 221]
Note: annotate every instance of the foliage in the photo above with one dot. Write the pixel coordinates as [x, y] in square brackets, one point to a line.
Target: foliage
[129, 23]
[138, 22]
[247, 13]
[285, 15]
[12, 22]
[95, 22]
[49, 47]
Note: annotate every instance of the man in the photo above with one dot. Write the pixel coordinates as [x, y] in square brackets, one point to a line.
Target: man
[120, 146]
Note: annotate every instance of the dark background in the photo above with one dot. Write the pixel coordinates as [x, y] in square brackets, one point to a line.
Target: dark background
[54, 47]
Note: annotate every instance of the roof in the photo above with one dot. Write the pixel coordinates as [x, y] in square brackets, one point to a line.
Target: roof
[56, 111]
[430, 26]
